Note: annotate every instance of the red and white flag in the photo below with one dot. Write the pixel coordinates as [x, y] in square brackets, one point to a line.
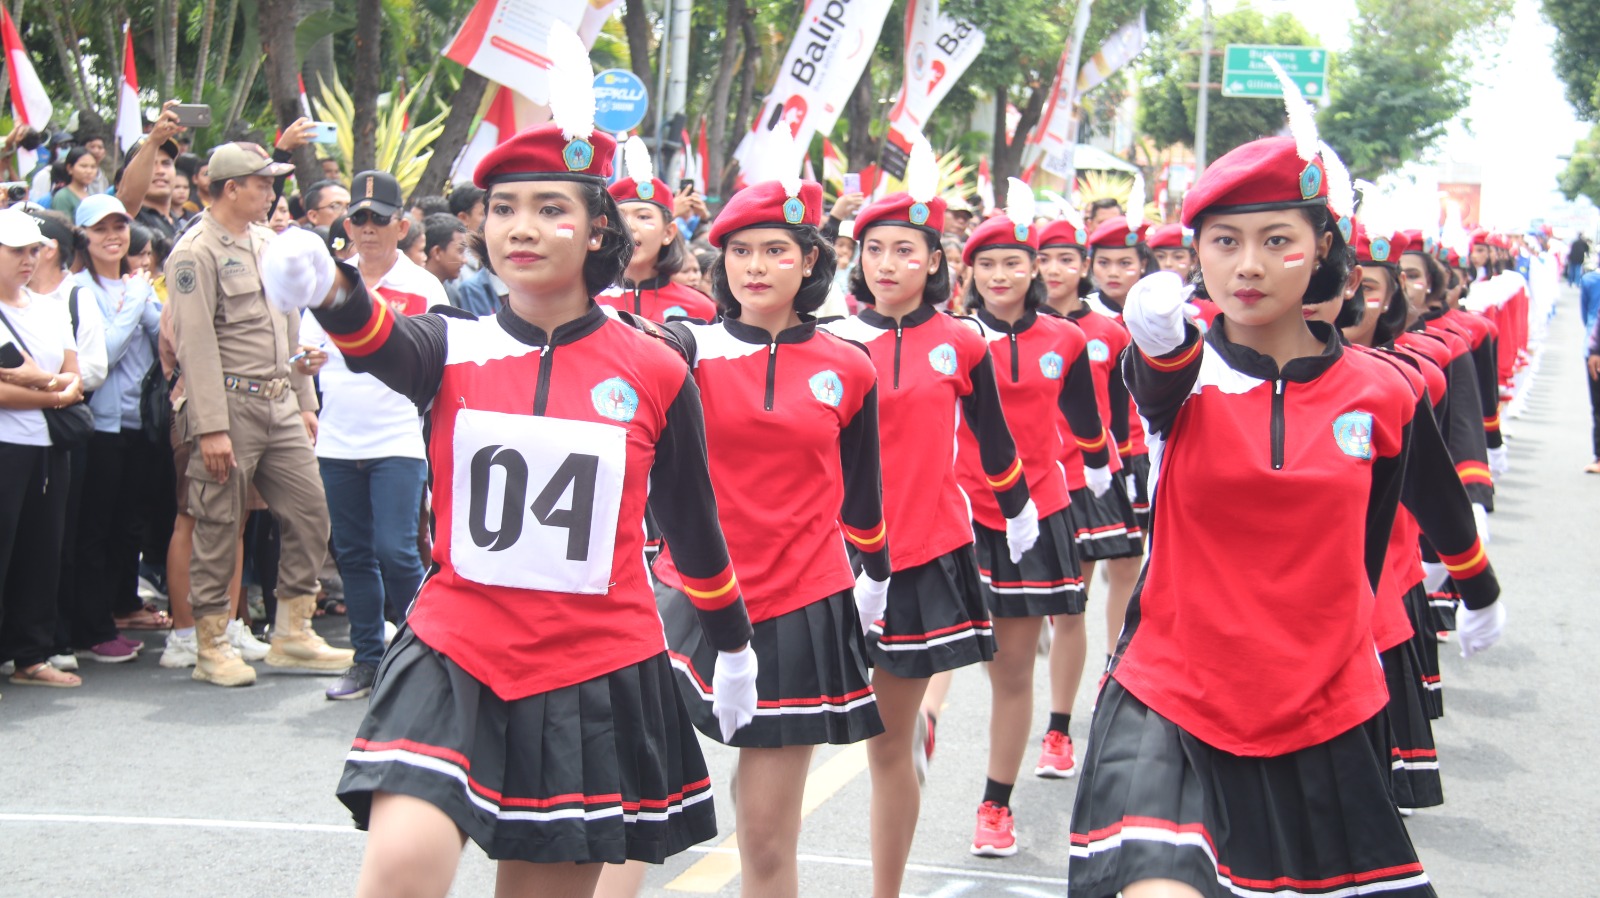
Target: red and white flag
[985, 184]
[833, 165]
[499, 123]
[130, 118]
[29, 104]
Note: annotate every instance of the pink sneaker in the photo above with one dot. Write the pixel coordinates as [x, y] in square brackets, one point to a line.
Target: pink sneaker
[996, 835]
[112, 651]
[1055, 758]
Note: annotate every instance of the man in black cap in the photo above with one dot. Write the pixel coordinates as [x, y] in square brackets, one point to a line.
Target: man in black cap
[144, 183]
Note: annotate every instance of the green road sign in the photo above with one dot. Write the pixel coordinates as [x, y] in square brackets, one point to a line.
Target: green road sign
[1245, 72]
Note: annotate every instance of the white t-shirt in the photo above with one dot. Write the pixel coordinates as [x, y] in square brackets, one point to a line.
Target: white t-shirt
[46, 332]
[361, 418]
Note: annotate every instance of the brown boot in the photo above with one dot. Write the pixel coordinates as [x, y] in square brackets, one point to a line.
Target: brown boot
[296, 645]
[216, 660]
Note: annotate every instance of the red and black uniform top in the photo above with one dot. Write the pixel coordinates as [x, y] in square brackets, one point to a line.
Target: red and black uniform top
[792, 431]
[1278, 489]
[1433, 504]
[1461, 424]
[934, 373]
[659, 299]
[1482, 339]
[1114, 233]
[1042, 369]
[1104, 340]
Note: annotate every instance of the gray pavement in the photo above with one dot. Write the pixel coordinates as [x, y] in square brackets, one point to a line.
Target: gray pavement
[142, 783]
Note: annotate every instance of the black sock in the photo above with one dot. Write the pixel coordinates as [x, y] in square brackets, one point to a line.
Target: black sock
[1060, 722]
[997, 793]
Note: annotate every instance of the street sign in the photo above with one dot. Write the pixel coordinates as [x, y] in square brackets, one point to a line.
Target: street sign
[620, 101]
[1245, 72]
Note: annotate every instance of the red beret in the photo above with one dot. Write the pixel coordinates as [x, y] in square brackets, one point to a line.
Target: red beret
[1063, 233]
[1113, 233]
[1263, 174]
[1170, 236]
[1453, 259]
[1479, 236]
[654, 190]
[543, 153]
[1385, 248]
[1416, 242]
[768, 204]
[1000, 231]
[900, 209]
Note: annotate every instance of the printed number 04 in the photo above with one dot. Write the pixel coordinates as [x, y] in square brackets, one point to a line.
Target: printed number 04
[578, 470]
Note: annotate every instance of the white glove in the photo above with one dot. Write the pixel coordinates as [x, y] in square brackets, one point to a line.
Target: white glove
[1480, 517]
[1097, 479]
[872, 596]
[1433, 575]
[296, 270]
[1478, 630]
[1022, 531]
[1133, 487]
[733, 690]
[1499, 464]
[1155, 311]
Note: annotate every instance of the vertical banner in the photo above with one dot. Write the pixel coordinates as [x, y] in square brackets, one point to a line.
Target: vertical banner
[832, 44]
[1049, 137]
[505, 40]
[1120, 48]
[938, 51]
[595, 13]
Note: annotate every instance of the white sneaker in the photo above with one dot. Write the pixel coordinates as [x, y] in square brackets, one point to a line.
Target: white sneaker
[67, 661]
[250, 648]
[8, 668]
[180, 651]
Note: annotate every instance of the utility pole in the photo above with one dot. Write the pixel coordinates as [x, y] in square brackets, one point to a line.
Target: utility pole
[678, 90]
[1080, 27]
[1202, 106]
[659, 98]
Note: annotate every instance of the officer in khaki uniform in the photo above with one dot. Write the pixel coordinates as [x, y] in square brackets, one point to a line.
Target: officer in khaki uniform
[251, 416]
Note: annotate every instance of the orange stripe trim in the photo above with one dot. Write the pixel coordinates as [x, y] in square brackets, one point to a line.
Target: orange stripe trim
[730, 585]
[1475, 557]
[1092, 445]
[1006, 480]
[870, 540]
[1176, 363]
[380, 316]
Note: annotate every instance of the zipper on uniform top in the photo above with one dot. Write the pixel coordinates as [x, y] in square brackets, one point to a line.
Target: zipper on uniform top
[638, 304]
[897, 332]
[541, 394]
[1277, 424]
[772, 372]
[1014, 374]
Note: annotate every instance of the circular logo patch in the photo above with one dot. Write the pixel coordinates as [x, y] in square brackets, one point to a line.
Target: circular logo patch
[826, 386]
[185, 279]
[615, 398]
[1081, 236]
[943, 359]
[1098, 350]
[1050, 365]
[646, 190]
[578, 154]
[1352, 431]
[1132, 239]
[1310, 181]
[1020, 231]
[919, 213]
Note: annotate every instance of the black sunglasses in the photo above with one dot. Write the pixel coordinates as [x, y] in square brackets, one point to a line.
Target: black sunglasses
[360, 219]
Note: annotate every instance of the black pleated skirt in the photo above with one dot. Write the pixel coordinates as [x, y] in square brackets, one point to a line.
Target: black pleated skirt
[1413, 757]
[607, 770]
[1105, 526]
[936, 619]
[1137, 469]
[1425, 645]
[811, 684]
[1154, 802]
[1046, 581]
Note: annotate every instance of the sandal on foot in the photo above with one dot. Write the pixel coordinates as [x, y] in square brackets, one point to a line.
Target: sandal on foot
[334, 607]
[43, 674]
[147, 618]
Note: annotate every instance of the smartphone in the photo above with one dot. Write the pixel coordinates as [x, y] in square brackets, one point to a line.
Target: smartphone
[852, 182]
[10, 356]
[325, 132]
[193, 115]
[686, 184]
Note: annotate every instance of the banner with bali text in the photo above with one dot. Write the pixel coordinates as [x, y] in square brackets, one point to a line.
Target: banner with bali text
[938, 51]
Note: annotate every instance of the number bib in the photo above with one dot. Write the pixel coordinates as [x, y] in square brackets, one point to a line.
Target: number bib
[536, 501]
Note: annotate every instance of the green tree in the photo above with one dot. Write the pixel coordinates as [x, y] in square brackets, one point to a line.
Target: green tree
[1168, 103]
[1582, 174]
[1405, 77]
[1577, 52]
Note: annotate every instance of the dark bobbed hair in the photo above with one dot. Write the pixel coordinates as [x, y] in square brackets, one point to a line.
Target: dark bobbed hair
[1327, 279]
[1352, 310]
[1147, 257]
[1038, 294]
[1438, 278]
[670, 260]
[814, 287]
[138, 238]
[1085, 277]
[934, 291]
[1392, 317]
[604, 266]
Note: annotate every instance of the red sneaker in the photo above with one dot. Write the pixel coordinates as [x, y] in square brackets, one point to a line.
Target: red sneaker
[1055, 758]
[996, 835]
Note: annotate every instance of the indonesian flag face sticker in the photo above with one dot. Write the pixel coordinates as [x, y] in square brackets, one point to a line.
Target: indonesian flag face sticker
[785, 264]
[1294, 260]
[913, 265]
[564, 230]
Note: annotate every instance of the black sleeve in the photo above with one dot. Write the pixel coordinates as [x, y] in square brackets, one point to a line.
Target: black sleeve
[1388, 481]
[997, 451]
[1486, 367]
[686, 509]
[1436, 498]
[406, 353]
[862, 512]
[1161, 385]
[1082, 411]
[830, 228]
[1464, 432]
[1121, 410]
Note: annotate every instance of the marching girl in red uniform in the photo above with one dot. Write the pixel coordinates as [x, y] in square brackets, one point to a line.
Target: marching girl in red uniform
[1042, 366]
[1231, 750]
[792, 433]
[646, 288]
[529, 704]
[935, 374]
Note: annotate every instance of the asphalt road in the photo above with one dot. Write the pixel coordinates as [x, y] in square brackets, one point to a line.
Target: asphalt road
[142, 783]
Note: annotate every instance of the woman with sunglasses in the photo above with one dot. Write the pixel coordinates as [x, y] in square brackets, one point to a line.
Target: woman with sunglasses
[1043, 379]
[935, 375]
[528, 703]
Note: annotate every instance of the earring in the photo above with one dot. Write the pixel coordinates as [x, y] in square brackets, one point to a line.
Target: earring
[808, 272]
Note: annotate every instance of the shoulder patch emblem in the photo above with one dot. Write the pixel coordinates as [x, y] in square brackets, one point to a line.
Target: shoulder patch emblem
[943, 359]
[616, 399]
[1098, 350]
[1352, 431]
[675, 312]
[826, 386]
[185, 279]
[1050, 365]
